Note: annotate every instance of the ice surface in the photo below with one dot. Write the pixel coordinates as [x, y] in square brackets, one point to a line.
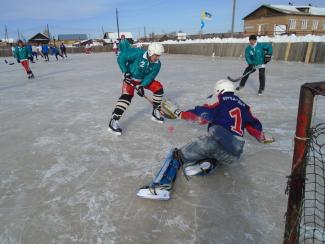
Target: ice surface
[65, 179]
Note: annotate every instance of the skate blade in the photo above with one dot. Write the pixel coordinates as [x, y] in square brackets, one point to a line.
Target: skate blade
[114, 132]
[162, 195]
[157, 121]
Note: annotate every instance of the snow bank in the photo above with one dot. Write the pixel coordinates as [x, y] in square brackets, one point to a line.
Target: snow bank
[284, 38]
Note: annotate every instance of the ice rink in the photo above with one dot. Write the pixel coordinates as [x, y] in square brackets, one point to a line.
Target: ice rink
[65, 179]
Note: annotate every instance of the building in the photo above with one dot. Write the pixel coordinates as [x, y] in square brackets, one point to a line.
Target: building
[110, 37]
[39, 38]
[181, 36]
[285, 19]
[70, 39]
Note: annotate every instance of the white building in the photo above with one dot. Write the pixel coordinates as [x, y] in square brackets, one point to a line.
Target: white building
[110, 37]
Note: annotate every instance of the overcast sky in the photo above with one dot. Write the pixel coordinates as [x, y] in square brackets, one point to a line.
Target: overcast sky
[159, 16]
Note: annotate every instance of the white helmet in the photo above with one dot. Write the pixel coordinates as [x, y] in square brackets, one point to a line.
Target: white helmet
[155, 48]
[222, 86]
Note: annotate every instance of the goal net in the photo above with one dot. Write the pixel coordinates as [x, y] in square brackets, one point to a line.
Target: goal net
[305, 217]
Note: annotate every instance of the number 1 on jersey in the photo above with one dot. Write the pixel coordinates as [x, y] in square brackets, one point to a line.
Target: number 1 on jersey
[236, 114]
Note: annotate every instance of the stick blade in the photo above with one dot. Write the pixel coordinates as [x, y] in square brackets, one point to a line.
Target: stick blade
[232, 79]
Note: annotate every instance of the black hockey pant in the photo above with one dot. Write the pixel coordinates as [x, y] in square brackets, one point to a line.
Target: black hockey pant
[261, 77]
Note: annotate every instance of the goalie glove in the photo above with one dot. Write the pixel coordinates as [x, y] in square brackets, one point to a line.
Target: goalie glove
[267, 138]
[170, 110]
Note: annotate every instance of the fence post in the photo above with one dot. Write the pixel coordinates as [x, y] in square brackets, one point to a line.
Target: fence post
[309, 52]
[286, 56]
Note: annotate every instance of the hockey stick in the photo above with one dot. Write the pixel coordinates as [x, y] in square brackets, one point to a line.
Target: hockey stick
[144, 96]
[6, 61]
[241, 77]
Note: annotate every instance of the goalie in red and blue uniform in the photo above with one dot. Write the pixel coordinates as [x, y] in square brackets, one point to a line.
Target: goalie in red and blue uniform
[227, 119]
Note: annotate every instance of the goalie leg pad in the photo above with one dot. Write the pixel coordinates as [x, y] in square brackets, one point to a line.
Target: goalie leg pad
[168, 172]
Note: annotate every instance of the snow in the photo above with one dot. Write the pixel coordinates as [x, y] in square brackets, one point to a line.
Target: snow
[65, 179]
[277, 39]
[294, 9]
[9, 40]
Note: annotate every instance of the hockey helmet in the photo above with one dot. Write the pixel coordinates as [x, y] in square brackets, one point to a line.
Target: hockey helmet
[155, 48]
[222, 86]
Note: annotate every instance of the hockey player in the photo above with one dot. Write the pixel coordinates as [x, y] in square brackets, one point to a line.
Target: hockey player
[227, 119]
[124, 44]
[257, 55]
[139, 68]
[30, 50]
[55, 51]
[63, 49]
[22, 54]
[115, 48]
[45, 52]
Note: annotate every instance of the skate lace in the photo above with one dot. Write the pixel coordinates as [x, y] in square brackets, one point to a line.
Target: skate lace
[115, 124]
[156, 113]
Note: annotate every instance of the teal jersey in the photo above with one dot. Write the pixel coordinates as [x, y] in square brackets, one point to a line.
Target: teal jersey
[124, 45]
[135, 61]
[255, 55]
[22, 53]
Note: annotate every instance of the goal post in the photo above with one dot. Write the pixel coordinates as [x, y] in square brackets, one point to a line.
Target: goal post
[297, 179]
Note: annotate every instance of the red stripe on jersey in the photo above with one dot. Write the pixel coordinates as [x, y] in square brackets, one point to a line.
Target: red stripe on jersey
[189, 116]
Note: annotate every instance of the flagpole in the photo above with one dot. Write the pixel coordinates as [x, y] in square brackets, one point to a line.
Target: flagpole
[233, 17]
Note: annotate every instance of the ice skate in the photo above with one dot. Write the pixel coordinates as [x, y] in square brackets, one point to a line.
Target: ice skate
[114, 127]
[202, 168]
[156, 116]
[154, 192]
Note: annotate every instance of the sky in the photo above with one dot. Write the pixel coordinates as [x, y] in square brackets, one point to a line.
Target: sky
[92, 16]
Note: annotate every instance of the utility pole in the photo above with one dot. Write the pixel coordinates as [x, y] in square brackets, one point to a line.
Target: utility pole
[103, 31]
[48, 31]
[233, 17]
[6, 34]
[118, 27]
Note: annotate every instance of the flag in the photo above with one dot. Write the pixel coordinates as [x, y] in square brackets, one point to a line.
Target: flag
[208, 16]
[205, 15]
[202, 24]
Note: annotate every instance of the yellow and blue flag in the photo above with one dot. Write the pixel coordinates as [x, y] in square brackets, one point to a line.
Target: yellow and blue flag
[205, 16]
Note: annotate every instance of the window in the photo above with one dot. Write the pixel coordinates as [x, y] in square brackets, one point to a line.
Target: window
[324, 25]
[262, 29]
[315, 25]
[304, 24]
[292, 24]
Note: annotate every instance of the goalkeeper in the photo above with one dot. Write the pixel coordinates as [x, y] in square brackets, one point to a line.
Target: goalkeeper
[227, 118]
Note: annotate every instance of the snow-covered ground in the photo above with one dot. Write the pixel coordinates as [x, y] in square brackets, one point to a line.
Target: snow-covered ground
[277, 39]
[65, 179]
